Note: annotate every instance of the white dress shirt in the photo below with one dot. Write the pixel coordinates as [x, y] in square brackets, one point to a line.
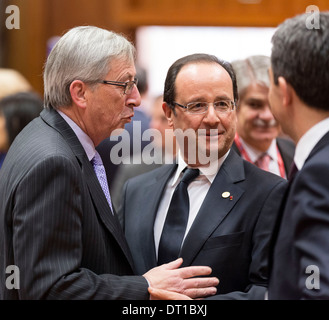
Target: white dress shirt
[197, 191]
[84, 139]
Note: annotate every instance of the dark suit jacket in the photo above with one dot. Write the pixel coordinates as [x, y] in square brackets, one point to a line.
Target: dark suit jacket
[55, 223]
[230, 236]
[286, 148]
[303, 236]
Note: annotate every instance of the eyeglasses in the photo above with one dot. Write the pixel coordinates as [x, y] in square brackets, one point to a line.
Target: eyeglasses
[128, 86]
[221, 106]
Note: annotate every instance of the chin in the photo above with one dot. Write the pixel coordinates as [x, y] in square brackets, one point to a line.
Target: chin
[118, 131]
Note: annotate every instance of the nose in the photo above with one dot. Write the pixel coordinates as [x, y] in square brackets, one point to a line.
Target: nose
[266, 113]
[211, 117]
[134, 98]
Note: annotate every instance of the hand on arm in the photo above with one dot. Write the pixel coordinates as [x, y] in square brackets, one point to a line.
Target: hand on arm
[183, 281]
[160, 294]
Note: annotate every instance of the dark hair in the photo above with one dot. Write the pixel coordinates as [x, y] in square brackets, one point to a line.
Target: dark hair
[169, 88]
[18, 110]
[300, 54]
[141, 75]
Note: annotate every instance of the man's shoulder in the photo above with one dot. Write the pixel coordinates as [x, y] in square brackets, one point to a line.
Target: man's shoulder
[258, 175]
[35, 143]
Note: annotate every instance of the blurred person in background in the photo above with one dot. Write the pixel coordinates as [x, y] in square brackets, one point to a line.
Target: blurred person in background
[257, 137]
[16, 111]
[11, 81]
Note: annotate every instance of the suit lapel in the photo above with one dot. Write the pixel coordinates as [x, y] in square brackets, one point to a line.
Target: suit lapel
[97, 195]
[103, 209]
[154, 190]
[215, 207]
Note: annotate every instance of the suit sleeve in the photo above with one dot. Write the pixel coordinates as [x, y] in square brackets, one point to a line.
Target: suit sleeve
[310, 211]
[47, 239]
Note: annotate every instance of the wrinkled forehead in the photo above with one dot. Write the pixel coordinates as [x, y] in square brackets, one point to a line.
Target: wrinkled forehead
[202, 78]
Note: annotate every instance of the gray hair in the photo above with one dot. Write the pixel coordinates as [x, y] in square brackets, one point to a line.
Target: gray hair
[253, 69]
[300, 54]
[83, 53]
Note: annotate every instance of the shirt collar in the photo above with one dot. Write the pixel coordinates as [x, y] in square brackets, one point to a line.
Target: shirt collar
[84, 139]
[308, 141]
[209, 172]
[255, 154]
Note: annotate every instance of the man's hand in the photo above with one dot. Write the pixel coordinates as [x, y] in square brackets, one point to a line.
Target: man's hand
[170, 277]
[160, 294]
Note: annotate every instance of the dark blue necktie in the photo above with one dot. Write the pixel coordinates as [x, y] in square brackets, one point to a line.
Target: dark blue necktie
[176, 220]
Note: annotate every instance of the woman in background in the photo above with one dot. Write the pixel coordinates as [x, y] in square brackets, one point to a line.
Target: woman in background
[16, 111]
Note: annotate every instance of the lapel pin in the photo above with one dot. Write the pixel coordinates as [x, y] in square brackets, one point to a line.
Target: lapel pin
[225, 194]
[231, 197]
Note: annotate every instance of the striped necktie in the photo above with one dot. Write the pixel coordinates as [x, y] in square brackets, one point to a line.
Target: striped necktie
[263, 162]
[99, 169]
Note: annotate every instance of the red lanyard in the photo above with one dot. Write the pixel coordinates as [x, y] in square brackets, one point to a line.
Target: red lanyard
[246, 156]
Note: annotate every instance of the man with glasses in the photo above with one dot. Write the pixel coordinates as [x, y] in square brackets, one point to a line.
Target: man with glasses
[59, 235]
[225, 217]
[259, 136]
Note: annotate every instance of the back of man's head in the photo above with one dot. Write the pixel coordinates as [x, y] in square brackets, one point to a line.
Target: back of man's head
[300, 54]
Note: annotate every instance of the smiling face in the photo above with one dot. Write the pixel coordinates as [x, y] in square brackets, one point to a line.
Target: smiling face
[256, 123]
[107, 107]
[204, 82]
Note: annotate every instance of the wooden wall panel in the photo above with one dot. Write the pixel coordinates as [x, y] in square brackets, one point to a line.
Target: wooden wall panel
[212, 12]
[26, 49]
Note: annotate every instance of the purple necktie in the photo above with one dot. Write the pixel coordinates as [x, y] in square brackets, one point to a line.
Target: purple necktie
[99, 169]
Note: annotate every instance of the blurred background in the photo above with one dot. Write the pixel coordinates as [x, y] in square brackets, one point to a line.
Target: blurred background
[162, 30]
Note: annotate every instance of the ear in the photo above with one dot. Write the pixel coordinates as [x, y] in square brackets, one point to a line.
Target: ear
[78, 93]
[286, 91]
[169, 113]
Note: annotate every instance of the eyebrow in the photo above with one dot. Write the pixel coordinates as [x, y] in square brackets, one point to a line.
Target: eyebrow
[128, 76]
[202, 99]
